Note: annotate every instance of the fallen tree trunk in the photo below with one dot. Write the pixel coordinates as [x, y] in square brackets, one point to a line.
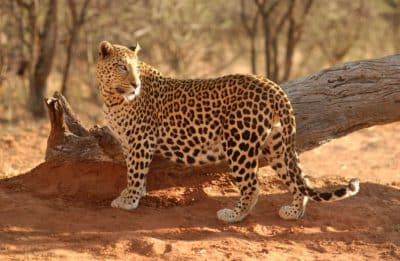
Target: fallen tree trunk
[328, 105]
[345, 98]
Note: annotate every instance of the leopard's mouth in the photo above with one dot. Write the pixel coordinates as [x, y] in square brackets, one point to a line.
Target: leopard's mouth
[132, 94]
[129, 96]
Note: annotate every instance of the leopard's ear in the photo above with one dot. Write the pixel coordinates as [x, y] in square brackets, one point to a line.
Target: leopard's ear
[105, 49]
[136, 48]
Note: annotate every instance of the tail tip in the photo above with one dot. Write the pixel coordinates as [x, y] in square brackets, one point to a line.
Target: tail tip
[354, 185]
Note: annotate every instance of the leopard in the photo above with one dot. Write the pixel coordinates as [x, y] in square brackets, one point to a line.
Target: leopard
[238, 119]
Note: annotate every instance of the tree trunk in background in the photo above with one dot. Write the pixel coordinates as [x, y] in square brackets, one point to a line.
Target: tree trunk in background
[68, 61]
[42, 67]
[3, 68]
[78, 19]
[267, 49]
[328, 105]
[282, 23]
[253, 55]
[250, 25]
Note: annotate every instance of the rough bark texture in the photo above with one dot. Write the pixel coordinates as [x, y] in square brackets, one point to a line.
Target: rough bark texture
[328, 105]
[345, 98]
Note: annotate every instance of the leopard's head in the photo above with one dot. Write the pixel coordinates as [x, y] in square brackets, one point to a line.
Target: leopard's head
[118, 71]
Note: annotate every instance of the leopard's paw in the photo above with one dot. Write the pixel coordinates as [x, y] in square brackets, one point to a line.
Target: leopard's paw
[124, 202]
[291, 213]
[229, 215]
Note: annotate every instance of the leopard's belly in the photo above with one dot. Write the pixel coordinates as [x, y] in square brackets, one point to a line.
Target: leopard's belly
[191, 145]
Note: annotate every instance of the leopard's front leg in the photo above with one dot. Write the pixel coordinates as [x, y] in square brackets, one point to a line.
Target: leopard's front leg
[138, 157]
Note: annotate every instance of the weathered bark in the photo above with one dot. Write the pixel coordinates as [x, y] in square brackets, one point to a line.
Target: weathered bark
[345, 98]
[328, 105]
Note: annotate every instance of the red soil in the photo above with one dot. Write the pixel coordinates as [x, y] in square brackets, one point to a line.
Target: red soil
[61, 210]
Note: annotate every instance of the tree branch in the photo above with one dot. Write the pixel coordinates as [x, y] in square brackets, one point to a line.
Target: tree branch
[328, 105]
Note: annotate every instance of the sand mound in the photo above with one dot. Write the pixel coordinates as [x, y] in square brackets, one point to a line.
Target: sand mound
[99, 183]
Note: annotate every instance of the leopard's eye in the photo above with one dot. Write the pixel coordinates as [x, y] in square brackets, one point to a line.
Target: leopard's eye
[123, 68]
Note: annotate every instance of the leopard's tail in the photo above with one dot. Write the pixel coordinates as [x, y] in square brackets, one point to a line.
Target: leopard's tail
[328, 196]
[286, 162]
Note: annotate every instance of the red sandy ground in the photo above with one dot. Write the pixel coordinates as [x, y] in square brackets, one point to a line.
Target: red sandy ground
[61, 211]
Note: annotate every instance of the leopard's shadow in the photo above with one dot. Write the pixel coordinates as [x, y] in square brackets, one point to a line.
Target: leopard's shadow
[353, 219]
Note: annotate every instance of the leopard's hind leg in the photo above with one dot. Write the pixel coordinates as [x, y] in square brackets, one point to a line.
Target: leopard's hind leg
[242, 148]
[280, 157]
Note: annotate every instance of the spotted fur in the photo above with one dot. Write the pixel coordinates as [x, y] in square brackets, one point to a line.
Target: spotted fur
[236, 118]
